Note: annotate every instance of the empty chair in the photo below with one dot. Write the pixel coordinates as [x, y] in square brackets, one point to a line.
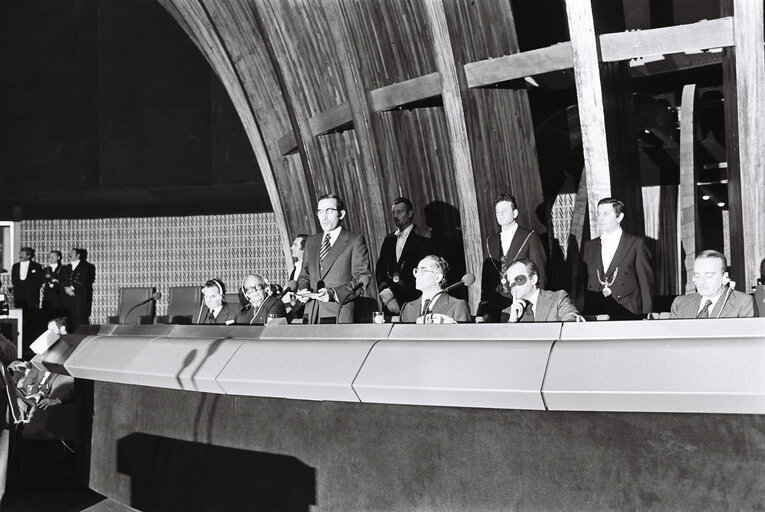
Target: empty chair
[184, 305]
[233, 301]
[129, 311]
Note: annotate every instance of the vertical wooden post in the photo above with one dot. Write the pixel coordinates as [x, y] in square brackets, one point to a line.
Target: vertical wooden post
[687, 190]
[458, 139]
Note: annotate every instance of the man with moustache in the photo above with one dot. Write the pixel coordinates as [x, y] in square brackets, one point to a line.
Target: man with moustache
[335, 266]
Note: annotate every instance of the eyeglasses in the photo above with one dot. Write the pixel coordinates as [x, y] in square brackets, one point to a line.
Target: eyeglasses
[417, 270]
[325, 212]
[256, 288]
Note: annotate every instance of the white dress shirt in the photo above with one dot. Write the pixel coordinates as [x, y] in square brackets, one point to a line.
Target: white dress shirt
[401, 237]
[506, 237]
[332, 235]
[23, 270]
[608, 244]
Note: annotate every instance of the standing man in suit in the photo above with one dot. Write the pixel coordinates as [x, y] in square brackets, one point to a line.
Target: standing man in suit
[215, 309]
[399, 255]
[78, 287]
[335, 265]
[54, 277]
[714, 296]
[293, 304]
[259, 302]
[618, 268]
[511, 243]
[430, 278]
[27, 278]
[530, 304]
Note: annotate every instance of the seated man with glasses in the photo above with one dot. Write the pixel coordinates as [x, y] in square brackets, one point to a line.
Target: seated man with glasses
[434, 306]
[530, 303]
[260, 302]
[714, 296]
[335, 266]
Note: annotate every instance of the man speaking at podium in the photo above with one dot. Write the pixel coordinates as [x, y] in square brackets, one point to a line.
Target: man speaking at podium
[335, 266]
[714, 296]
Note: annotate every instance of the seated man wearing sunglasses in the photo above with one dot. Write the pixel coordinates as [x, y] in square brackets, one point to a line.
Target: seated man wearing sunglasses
[434, 306]
[260, 302]
[530, 304]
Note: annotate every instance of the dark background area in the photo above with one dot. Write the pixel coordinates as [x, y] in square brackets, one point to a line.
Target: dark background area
[107, 109]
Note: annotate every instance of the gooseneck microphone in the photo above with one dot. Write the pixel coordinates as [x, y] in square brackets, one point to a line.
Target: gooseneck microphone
[731, 287]
[348, 298]
[291, 286]
[156, 296]
[466, 280]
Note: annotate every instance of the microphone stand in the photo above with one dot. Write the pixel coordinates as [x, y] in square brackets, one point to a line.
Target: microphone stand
[124, 322]
[731, 285]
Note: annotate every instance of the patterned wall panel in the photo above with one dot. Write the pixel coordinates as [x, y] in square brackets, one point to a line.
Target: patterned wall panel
[164, 251]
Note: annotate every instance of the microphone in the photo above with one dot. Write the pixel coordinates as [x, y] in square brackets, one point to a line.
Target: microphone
[290, 287]
[156, 296]
[466, 280]
[352, 294]
[731, 287]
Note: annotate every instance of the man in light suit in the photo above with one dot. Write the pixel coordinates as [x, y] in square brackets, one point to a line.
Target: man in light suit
[430, 279]
[530, 304]
[714, 296]
[618, 269]
[27, 278]
[511, 243]
[399, 255]
[335, 266]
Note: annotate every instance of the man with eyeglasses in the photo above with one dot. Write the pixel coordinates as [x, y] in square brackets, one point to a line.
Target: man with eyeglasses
[260, 303]
[434, 306]
[714, 296]
[530, 304]
[399, 255]
[335, 266]
[511, 243]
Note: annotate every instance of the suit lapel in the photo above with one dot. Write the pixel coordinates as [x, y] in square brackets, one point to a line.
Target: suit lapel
[494, 244]
[411, 241]
[625, 244]
[597, 248]
[334, 252]
[517, 242]
[544, 302]
[721, 303]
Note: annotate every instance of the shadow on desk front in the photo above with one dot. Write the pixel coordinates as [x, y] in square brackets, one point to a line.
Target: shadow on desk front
[169, 474]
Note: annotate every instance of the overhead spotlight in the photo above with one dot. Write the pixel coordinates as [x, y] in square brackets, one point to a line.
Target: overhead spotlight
[705, 197]
[721, 204]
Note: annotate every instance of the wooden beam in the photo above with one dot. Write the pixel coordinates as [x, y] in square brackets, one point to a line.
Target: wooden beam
[744, 83]
[458, 140]
[687, 204]
[660, 41]
[590, 100]
[406, 92]
[336, 119]
[287, 144]
[487, 72]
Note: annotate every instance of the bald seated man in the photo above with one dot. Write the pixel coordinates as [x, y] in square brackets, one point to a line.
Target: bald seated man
[430, 278]
[714, 296]
[260, 303]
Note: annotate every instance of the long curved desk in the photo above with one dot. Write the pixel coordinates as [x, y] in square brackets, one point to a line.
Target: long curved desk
[461, 417]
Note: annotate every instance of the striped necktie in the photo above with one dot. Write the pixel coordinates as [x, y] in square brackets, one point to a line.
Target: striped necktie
[324, 247]
[704, 312]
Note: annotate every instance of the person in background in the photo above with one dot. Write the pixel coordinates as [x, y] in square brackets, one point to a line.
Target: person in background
[430, 278]
[399, 255]
[27, 278]
[714, 296]
[260, 303]
[78, 287]
[530, 304]
[618, 272]
[294, 304]
[54, 277]
[215, 310]
[511, 243]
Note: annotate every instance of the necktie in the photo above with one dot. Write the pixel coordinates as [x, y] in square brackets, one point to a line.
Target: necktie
[425, 305]
[528, 313]
[704, 312]
[324, 247]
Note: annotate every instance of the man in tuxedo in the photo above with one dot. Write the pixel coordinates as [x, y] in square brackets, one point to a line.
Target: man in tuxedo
[54, 277]
[617, 269]
[335, 266]
[399, 255]
[78, 287]
[511, 243]
[714, 296]
[430, 278]
[530, 304]
[27, 278]
[215, 309]
[260, 303]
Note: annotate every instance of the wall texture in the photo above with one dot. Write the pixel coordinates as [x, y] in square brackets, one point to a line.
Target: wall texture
[163, 251]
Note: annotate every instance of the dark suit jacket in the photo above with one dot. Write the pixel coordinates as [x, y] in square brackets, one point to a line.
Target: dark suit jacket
[551, 307]
[226, 314]
[53, 291]
[493, 298]
[415, 248]
[632, 291]
[346, 265]
[81, 279]
[26, 293]
[738, 305]
[249, 315]
[445, 305]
